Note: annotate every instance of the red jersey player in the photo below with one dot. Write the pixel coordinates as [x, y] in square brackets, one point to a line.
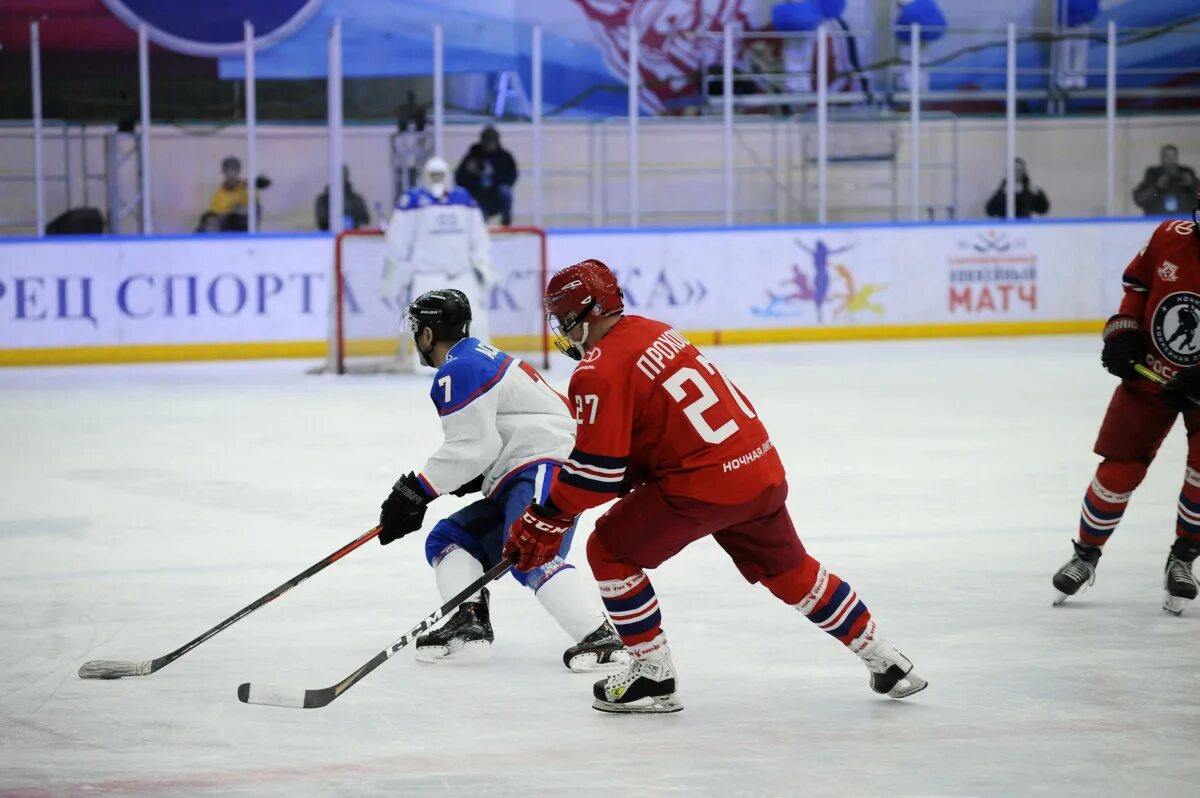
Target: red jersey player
[1158, 326]
[661, 427]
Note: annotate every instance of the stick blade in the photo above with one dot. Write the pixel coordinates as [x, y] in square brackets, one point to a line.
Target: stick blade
[114, 669]
[271, 695]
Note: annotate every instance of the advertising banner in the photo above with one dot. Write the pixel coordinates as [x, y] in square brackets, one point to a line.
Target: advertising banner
[847, 277]
[271, 295]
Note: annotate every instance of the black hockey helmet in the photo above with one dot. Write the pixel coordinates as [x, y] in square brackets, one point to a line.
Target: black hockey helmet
[446, 311]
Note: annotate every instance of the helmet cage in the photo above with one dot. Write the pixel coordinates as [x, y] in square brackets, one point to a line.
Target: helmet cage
[570, 320]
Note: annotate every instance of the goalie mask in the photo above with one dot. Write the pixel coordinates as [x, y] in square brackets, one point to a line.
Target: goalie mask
[446, 312]
[576, 295]
[436, 177]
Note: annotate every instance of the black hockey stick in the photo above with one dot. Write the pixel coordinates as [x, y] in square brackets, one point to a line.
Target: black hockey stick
[116, 669]
[312, 699]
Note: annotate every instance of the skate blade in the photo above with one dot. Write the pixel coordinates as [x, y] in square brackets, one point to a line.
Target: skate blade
[651, 705]
[588, 662]
[909, 685]
[464, 654]
[1060, 597]
[1175, 604]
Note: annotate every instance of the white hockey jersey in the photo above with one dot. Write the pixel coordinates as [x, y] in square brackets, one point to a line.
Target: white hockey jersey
[445, 237]
[498, 417]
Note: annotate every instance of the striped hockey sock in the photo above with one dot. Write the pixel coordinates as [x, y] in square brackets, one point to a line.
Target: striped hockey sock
[633, 608]
[1188, 523]
[836, 609]
[1102, 511]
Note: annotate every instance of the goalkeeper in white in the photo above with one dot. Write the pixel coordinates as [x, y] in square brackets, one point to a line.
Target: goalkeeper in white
[437, 238]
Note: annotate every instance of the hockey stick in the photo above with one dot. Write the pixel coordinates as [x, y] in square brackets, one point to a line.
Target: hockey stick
[311, 699]
[1157, 379]
[116, 669]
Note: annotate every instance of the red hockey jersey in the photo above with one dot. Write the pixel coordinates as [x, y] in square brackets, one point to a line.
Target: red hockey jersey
[649, 407]
[1162, 291]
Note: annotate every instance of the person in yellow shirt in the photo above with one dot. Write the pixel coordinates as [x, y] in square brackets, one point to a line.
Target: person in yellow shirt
[232, 197]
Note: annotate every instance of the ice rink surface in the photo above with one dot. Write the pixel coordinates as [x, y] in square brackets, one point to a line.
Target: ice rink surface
[141, 505]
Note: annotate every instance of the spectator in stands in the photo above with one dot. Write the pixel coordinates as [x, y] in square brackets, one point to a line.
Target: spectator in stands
[1030, 199]
[232, 198]
[488, 173]
[209, 223]
[354, 207]
[1167, 188]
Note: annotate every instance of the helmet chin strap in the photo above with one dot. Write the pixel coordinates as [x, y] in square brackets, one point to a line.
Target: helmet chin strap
[578, 346]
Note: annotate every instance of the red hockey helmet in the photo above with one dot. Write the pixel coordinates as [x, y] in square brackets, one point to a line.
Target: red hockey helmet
[577, 294]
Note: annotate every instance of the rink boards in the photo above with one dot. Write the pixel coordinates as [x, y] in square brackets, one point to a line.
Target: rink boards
[106, 299]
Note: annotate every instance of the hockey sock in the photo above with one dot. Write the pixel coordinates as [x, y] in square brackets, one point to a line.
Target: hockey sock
[1103, 506]
[1188, 525]
[826, 600]
[571, 602]
[628, 599]
[453, 570]
[633, 608]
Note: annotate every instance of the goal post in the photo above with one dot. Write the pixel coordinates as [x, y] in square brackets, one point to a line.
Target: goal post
[366, 324]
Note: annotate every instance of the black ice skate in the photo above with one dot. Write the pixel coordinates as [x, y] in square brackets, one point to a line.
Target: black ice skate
[1180, 583]
[466, 637]
[602, 650]
[642, 686]
[1080, 571]
[891, 672]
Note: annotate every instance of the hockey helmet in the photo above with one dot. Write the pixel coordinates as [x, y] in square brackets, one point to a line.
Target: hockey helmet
[436, 176]
[578, 294]
[446, 311]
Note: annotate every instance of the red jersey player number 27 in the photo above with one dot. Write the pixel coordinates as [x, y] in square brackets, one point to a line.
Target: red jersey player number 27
[694, 403]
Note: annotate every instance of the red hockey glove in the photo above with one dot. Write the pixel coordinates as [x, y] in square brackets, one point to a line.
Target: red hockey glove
[537, 535]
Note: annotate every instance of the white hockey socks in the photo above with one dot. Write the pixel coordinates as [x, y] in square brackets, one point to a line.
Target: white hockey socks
[571, 601]
[453, 570]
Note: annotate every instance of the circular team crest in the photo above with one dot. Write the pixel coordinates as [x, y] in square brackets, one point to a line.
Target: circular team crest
[1177, 328]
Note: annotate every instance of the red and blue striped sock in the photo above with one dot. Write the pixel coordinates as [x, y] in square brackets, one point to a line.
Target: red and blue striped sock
[633, 608]
[1188, 523]
[1101, 512]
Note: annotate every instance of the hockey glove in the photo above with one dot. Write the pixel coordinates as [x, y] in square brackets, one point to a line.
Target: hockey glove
[474, 486]
[403, 511]
[537, 535]
[1123, 346]
[1178, 392]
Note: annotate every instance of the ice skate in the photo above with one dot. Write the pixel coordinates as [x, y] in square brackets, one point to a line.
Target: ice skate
[466, 637]
[1180, 583]
[891, 671]
[602, 650]
[1078, 573]
[645, 685]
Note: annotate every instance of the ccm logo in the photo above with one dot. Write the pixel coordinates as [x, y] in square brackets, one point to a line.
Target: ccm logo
[542, 526]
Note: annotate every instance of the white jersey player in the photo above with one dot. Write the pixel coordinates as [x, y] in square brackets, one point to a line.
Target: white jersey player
[506, 434]
[437, 238]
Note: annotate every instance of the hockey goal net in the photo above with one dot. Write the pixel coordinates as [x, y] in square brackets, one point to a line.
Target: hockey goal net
[365, 325]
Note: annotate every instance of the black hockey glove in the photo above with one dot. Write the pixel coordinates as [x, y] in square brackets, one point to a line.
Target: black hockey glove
[474, 486]
[403, 511]
[1179, 391]
[1123, 346]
